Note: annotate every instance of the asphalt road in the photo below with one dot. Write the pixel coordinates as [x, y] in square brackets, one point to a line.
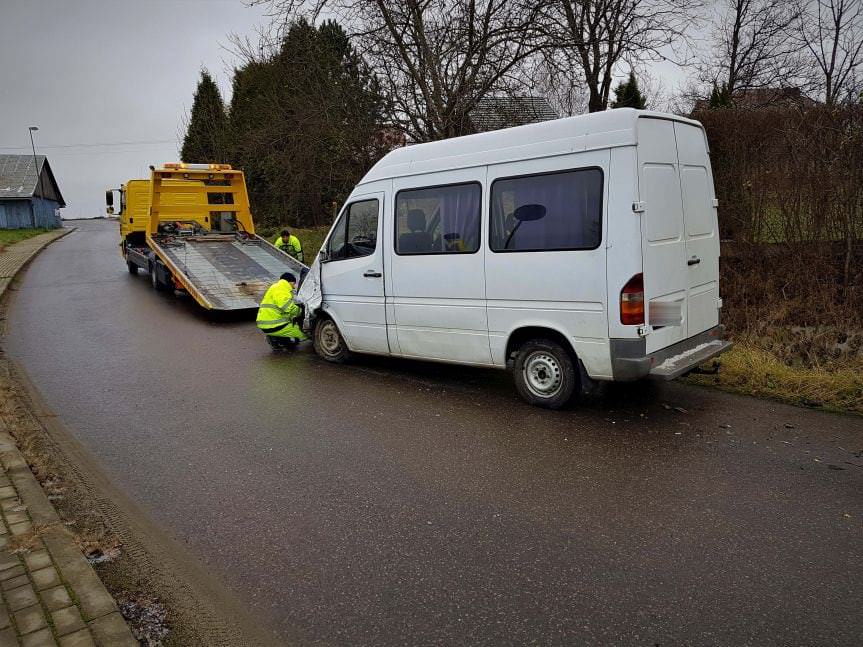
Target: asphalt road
[389, 502]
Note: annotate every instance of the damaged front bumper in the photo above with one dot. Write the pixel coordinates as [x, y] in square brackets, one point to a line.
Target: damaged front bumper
[630, 361]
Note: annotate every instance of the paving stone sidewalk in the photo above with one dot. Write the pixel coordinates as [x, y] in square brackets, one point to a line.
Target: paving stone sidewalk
[15, 256]
[49, 593]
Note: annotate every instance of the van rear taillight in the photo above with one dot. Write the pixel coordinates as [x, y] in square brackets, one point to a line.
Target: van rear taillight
[632, 301]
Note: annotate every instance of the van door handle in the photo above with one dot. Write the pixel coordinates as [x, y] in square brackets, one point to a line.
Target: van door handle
[693, 261]
[372, 274]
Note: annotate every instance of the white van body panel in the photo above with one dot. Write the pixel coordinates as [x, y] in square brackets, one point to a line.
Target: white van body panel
[439, 300]
[561, 290]
[622, 235]
[658, 218]
[356, 301]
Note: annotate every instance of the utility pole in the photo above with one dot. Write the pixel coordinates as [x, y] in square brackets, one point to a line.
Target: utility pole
[32, 129]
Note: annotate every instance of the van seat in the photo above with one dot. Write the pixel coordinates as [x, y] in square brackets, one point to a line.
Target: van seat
[418, 240]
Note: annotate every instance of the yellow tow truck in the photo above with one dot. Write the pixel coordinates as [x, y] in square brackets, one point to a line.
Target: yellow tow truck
[190, 228]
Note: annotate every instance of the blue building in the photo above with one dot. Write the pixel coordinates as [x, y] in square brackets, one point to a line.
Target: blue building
[28, 199]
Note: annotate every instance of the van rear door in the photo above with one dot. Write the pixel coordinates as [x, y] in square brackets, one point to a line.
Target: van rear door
[680, 245]
[662, 234]
[702, 239]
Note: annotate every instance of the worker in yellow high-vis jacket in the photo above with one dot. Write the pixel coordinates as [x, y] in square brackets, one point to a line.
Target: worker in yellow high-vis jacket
[278, 314]
[289, 243]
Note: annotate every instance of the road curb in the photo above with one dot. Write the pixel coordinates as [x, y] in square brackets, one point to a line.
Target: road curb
[51, 594]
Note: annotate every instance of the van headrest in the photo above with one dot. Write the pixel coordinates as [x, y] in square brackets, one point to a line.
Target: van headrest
[417, 220]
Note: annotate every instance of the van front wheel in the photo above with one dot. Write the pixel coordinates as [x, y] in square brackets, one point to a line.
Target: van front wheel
[329, 342]
[545, 374]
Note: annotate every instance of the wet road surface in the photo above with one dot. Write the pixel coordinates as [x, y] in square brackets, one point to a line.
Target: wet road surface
[390, 502]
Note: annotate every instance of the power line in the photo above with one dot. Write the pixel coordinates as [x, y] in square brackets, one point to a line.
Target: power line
[92, 144]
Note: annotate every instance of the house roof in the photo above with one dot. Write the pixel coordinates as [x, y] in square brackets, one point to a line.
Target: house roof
[493, 113]
[754, 98]
[18, 179]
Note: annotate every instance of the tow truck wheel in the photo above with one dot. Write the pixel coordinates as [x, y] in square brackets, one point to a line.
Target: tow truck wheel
[329, 342]
[545, 374]
[155, 281]
[133, 269]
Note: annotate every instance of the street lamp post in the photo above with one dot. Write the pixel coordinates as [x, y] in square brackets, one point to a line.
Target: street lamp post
[32, 129]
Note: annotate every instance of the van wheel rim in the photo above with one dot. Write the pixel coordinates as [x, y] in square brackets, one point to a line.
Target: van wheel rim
[542, 374]
[329, 338]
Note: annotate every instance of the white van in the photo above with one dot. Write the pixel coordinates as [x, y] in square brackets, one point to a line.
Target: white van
[572, 251]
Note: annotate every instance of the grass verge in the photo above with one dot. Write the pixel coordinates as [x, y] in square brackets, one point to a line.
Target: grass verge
[311, 239]
[753, 371]
[12, 236]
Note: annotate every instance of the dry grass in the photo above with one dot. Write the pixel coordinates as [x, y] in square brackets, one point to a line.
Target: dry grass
[93, 537]
[27, 541]
[751, 370]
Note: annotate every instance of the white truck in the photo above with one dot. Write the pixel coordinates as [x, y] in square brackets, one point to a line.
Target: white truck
[572, 251]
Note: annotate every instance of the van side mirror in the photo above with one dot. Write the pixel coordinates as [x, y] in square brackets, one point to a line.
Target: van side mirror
[109, 198]
[529, 212]
[323, 255]
[525, 213]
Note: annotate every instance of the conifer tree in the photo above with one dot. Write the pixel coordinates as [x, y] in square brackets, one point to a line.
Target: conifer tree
[306, 124]
[720, 97]
[206, 134]
[628, 95]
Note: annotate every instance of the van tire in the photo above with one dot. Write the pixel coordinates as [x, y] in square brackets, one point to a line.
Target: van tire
[545, 373]
[133, 269]
[329, 343]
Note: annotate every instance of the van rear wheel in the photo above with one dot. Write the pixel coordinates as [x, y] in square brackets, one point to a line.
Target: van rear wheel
[133, 268]
[329, 342]
[545, 374]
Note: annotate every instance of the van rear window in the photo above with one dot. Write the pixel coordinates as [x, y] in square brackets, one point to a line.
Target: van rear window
[551, 211]
[438, 220]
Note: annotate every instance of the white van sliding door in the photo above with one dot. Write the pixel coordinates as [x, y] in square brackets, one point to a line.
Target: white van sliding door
[662, 234]
[436, 269]
[352, 276]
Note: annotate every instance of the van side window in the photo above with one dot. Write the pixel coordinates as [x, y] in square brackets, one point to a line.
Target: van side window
[438, 220]
[551, 211]
[356, 233]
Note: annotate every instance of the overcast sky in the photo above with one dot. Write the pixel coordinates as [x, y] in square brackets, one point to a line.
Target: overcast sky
[108, 71]
[108, 82]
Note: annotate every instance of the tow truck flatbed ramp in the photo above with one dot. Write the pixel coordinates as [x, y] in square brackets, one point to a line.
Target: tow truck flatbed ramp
[225, 272]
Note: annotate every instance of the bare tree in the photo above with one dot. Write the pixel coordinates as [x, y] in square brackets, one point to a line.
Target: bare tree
[559, 82]
[751, 46]
[435, 59]
[597, 35]
[832, 33]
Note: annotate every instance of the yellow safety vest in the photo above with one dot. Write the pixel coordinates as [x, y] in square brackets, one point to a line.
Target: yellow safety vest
[292, 246]
[277, 311]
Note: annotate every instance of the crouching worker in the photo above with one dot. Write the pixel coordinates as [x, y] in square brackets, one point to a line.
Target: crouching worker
[279, 314]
